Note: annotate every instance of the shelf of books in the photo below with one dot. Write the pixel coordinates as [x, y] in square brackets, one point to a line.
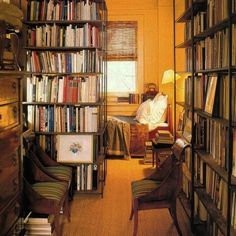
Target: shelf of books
[65, 90]
[210, 104]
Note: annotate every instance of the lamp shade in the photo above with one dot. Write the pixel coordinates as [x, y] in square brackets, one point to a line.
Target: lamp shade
[168, 77]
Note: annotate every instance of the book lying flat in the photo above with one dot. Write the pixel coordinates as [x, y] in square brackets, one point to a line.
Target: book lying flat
[165, 133]
[40, 219]
[164, 136]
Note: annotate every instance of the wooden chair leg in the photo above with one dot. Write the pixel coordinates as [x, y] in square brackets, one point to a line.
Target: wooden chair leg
[135, 222]
[174, 217]
[67, 208]
[132, 211]
[57, 225]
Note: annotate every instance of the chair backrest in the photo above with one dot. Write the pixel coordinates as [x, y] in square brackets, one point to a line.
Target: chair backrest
[179, 147]
[28, 140]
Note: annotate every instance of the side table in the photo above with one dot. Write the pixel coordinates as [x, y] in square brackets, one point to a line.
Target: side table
[160, 151]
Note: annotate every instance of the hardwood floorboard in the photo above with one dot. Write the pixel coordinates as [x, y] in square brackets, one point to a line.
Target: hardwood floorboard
[92, 215]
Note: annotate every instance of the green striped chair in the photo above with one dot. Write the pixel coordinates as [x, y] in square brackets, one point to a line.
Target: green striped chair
[51, 167]
[161, 189]
[45, 162]
[44, 194]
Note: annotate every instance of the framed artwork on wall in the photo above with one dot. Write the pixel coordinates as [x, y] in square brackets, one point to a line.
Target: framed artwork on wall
[75, 148]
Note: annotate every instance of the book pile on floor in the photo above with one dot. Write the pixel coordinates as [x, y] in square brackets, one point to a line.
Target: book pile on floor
[163, 136]
[39, 224]
[148, 157]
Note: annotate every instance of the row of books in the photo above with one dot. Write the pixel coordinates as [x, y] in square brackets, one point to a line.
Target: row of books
[217, 10]
[200, 86]
[187, 30]
[199, 23]
[133, 98]
[213, 51]
[234, 43]
[62, 118]
[85, 61]
[206, 89]
[87, 177]
[63, 10]
[63, 89]
[64, 36]
[188, 59]
[163, 136]
[216, 187]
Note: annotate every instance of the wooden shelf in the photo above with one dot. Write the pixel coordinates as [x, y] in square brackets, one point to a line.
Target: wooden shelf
[223, 121]
[65, 22]
[207, 158]
[198, 5]
[186, 44]
[213, 211]
[218, 27]
[100, 132]
[29, 73]
[76, 104]
[61, 49]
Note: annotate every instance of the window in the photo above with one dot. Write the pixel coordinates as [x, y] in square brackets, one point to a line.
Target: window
[122, 57]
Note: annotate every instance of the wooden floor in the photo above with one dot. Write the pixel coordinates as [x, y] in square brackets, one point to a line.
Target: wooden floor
[92, 215]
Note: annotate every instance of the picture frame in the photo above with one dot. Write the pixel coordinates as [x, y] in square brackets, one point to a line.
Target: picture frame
[75, 148]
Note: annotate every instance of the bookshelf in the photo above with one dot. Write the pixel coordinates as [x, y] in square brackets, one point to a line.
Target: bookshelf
[65, 97]
[208, 52]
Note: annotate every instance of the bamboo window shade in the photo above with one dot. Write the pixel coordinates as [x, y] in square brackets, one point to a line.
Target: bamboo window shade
[122, 40]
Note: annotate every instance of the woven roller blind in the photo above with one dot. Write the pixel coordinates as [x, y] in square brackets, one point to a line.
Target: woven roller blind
[122, 40]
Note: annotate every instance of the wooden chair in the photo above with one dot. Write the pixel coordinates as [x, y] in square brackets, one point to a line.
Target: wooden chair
[44, 194]
[46, 163]
[161, 189]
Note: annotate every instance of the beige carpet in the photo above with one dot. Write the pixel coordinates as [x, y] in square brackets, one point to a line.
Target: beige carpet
[92, 215]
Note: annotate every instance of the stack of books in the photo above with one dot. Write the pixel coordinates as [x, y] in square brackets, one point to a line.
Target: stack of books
[163, 136]
[39, 224]
[148, 157]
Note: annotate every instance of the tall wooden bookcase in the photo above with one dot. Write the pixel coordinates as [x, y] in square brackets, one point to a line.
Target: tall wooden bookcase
[10, 133]
[65, 99]
[208, 46]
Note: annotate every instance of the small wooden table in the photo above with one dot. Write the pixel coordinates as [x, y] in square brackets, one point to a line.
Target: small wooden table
[160, 151]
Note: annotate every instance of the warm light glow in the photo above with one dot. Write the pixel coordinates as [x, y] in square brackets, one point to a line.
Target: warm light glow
[168, 77]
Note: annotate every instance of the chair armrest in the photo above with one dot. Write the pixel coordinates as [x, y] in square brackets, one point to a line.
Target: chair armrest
[168, 188]
[34, 174]
[161, 172]
[44, 157]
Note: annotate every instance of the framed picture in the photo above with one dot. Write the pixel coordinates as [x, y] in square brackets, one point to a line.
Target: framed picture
[75, 148]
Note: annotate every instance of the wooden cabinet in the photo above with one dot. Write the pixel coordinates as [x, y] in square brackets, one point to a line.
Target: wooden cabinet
[10, 152]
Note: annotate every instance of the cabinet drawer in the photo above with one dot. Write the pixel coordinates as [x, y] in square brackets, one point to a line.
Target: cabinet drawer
[9, 89]
[9, 216]
[9, 178]
[10, 141]
[9, 115]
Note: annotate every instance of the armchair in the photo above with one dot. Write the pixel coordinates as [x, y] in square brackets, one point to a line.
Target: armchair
[44, 194]
[161, 189]
[46, 163]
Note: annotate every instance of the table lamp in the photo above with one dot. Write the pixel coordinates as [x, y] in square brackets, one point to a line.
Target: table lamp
[168, 77]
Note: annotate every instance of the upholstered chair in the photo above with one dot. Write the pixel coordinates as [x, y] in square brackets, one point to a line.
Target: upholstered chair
[160, 189]
[44, 194]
